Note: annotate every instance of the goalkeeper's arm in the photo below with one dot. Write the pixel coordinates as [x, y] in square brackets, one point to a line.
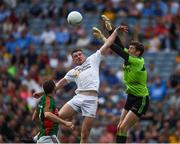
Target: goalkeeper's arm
[110, 42]
[117, 40]
[119, 50]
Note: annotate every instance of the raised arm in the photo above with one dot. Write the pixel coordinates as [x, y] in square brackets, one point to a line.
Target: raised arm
[110, 41]
[34, 114]
[60, 84]
[118, 50]
[110, 29]
[117, 40]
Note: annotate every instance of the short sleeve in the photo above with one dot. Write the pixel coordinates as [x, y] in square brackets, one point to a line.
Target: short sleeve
[71, 75]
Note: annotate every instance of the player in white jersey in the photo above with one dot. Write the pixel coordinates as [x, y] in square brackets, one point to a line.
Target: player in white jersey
[86, 76]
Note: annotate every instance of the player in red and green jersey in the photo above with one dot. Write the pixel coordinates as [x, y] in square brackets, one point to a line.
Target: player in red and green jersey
[135, 78]
[48, 115]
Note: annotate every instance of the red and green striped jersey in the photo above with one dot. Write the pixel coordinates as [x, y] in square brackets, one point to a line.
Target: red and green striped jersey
[47, 127]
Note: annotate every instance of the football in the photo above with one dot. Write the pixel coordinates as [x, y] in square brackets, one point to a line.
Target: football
[74, 18]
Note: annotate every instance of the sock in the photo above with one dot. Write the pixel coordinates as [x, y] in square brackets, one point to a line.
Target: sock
[121, 137]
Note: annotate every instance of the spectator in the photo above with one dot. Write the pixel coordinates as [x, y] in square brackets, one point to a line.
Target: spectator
[7, 26]
[89, 6]
[52, 9]
[4, 13]
[11, 44]
[83, 41]
[152, 71]
[31, 84]
[54, 60]
[173, 34]
[11, 3]
[175, 78]
[18, 58]
[107, 137]
[48, 36]
[158, 89]
[109, 11]
[122, 9]
[175, 99]
[62, 35]
[36, 9]
[31, 56]
[162, 32]
[112, 78]
[147, 10]
[24, 40]
[13, 17]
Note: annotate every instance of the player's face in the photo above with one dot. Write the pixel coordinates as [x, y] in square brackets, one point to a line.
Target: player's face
[133, 51]
[78, 57]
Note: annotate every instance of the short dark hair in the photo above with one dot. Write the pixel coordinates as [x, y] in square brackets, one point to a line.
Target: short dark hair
[76, 50]
[48, 86]
[139, 46]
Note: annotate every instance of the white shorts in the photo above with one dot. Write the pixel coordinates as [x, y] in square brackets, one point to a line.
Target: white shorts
[48, 139]
[85, 104]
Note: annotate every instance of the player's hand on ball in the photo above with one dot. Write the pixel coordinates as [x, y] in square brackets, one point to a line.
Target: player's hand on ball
[122, 28]
[70, 125]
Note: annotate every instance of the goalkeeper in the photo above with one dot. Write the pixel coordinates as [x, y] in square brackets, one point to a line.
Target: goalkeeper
[135, 78]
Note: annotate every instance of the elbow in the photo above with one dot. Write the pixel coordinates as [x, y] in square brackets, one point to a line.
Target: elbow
[46, 114]
[102, 52]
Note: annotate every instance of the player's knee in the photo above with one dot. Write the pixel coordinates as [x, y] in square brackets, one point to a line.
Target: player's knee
[122, 128]
[62, 116]
[59, 114]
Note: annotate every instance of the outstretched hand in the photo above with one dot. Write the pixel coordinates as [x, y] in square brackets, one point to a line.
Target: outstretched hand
[37, 94]
[98, 34]
[122, 28]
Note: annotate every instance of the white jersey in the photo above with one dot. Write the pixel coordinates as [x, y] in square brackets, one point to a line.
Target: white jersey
[86, 76]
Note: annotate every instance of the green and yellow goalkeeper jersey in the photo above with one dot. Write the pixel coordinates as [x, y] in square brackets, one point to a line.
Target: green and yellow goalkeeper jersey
[47, 127]
[135, 76]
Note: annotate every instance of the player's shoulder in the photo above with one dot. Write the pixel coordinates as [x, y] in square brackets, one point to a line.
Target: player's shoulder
[74, 72]
[96, 53]
[134, 59]
[140, 59]
[71, 71]
[75, 68]
[42, 99]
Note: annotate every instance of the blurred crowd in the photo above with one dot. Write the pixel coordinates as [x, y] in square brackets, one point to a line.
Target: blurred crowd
[35, 45]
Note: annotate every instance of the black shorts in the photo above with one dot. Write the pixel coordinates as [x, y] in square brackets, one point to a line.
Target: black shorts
[136, 104]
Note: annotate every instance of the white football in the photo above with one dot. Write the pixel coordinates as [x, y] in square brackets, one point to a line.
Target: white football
[74, 18]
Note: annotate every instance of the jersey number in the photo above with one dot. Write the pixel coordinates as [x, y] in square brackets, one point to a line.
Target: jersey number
[40, 112]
